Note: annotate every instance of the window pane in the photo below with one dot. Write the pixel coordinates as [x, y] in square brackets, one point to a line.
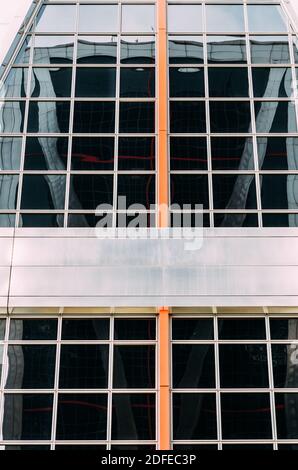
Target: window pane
[280, 220]
[34, 414]
[235, 220]
[8, 191]
[31, 366]
[48, 116]
[24, 52]
[193, 366]
[269, 50]
[278, 153]
[96, 82]
[275, 116]
[2, 329]
[192, 329]
[278, 191]
[187, 82]
[137, 82]
[133, 447]
[56, 18]
[232, 153]
[138, 18]
[233, 116]
[48, 83]
[198, 447]
[82, 416]
[138, 189]
[53, 49]
[94, 117]
[295, 46]
[234, 192]
[281, 328]
[188, 153]
[98, 18]
[187, 117]
[136, 219]
[189, 189]
[134, 367]
[241, 328]
[194, 416]
[1, 356]
[88, 191]
[275, 20]
[129, 329]
[43, 192]
[228, 82]
[186, 49]
[41, 220]
[10, 153]
[247, 447]
[91, 329]
[185, 218]
[7, 220]
[137, 49]
[285, 366]
[97, 50]
[12, 116]
[84, 366]
[226, 49]
[136, 153]
[92, 153]
[286, 406]
[133, 416]
[137, 117]
[185, 18]
[15, 84]
[79, 447]
[28, 447]
[46, 153]
[89, 220]
[27, 329]
[225, 18]
[246, 416]
[272, 82]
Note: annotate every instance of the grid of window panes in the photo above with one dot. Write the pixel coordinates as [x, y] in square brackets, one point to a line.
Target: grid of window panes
[234, 382]
[78, 382]
[232, 116]
[77, 117]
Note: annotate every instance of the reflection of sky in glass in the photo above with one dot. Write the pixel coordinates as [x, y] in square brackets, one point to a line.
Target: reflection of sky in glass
[138, 18]
[55, 18]
[224, 18]
[262, 18]
[98, 18]
[185, 18]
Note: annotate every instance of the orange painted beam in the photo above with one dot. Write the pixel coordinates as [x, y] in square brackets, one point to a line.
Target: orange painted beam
[164, 380]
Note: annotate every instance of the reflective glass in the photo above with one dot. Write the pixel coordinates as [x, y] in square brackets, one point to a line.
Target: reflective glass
[94, 117]
[98, 18]
[186, 50]
[272, 82]
[53, 49]
[232, 153]
[286, 406]
[56, 18]
[46, 153]
[137, 117]
[136, 218]
[189, 189]
[133, 416]
[187, 117]
[247, 447]
[137, 82]
[12, 116]
[188, 153]
[230, 116]
[228, 82]
[15, 84]
[134, 367]
[95, 82]
[88, 448]
[92, 153]
[275, 20]
[7, 220]
[138, 18]
[295, 46]
[278, 191]
[285, 365]
[48, 116]
[1, 355]
[194, 416]
[88, 220]
[234, 192]
[97, 50]
[185, 18]
[136, 153]
[31, 366]
[34, 414]
[185, 218]
[43, 192]
[138, 329]
[278, 153]
[269, 50]
[24, 52]
[235, 220]
[133, 447]
[287, 446]
[51, 83]
[193, 366]
[192, 328]
[137, 49]
[88, 329]
[8, 191]
[84, 366]
[41, 220]
[138, 189]
[82, 416]
[280, 220]
[186, 82]
[28, 447]
[284, 328]
[2, 329]
[10, 153]
[226, 49]
[30, 329]
[225, 18]
[275, 116]
[241, 328]
[88, 191]
[246, 416]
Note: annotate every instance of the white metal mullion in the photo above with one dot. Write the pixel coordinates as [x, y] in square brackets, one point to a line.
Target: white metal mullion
[110, 383]
[217, 382]
[56, 383]
[271, 383]
[117, 118]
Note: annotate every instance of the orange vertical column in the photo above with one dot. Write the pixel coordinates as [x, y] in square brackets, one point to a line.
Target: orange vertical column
[163, 219]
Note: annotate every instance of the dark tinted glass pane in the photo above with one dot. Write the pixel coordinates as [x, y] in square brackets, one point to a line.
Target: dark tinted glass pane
[246, 416]
[189, 219]
[41, 220]
[133, 447]
[286, 408]
[53, 49]
[272, 82]
[46, 153]
[138, 189]
[295, 46]
[94, 117]
[186, 49]
[278, 153]
[88, 448]
[48, 116]
[232, 153]
[195, 447]
[137, 117]
[225, 18]
[98, 18]
[275, 20]
[187, 117]
[2, 330]
[277, 191]
[285, 365]
[8, 192]
[194, 416]
[53, 83]
[97, 50]
[137, 49]
[15, 84]
[137, 82]
[89, 191]
[274, 116]
[233, 116]
[12, 116]
[54, 18]
[234, 192]
[228, 81]
[235, 220]
[28, 447]
[186, 82]
[133, 416]
[84, 366]
[188, 153]
[34, 414]
[136, 219]
[185, 18]
[28, 329]
[243, 365]
[134, 367]
[193, 329]
[280, 220]
[43, 192]
[284, 328]
[247, 447]
[241, 328]
[189, 189]
[269, 50]
[139, 329]
[89, 220]
[193, 366]
[7, 220]
[24, 53]
[287, 446]
[10, 153]
[82, 416]
[226, 49]
[31, 366]
[136, 153]
[138, 18]
[96, 82]
[92, 153]
[90, 329]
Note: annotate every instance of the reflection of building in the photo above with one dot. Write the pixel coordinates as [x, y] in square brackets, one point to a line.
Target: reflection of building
[91, 108]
